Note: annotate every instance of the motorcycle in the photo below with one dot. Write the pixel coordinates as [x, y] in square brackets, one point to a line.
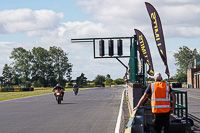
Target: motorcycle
[58, 95]
[75, 90]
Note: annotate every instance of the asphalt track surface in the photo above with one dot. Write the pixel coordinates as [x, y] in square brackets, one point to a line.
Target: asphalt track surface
[193, 107]
[91, 111]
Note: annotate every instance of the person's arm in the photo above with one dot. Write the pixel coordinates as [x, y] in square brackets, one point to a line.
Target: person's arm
[142, 99]
[54, 89]
[173, 101]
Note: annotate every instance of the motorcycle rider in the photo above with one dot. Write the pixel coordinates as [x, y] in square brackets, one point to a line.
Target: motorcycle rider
[75, 86]
[59, 87]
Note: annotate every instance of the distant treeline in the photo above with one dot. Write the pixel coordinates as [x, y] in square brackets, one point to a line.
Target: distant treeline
[37, 67]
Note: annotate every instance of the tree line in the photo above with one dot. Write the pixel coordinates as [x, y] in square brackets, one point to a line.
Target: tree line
[42, 67]
[37, 67]
[99, 80]
[184, 59]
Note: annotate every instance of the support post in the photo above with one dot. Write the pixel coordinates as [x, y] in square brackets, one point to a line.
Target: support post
[135, 62]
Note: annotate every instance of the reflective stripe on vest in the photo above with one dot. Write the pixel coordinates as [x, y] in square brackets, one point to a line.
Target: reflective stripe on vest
[160, 105]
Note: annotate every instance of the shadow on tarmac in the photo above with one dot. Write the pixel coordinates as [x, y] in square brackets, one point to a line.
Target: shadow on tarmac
[67, 103]
[196, 127]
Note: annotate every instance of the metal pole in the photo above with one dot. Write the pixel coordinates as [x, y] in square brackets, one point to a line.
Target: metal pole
[94, 47]
[122, 63]
[178, 104]
[131, 43]
[182, 104]
[135, 68]
[144, 73]
[186, 104]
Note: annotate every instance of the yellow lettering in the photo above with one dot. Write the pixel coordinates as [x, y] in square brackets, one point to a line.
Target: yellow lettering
[151, 71]
[161, 51]
[153, 15]
[142, 45]
[155, 24]
[157, 35]
[159, 44]
[141, 38]
[157, 38]
[143, 50]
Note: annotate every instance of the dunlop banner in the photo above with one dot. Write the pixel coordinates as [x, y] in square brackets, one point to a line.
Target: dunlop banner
[144, 51]
[158, 34]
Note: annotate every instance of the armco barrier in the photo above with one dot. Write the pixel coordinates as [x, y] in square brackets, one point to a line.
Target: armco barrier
[17, 89]
[10, 89]
[4, 90]
[25, 89]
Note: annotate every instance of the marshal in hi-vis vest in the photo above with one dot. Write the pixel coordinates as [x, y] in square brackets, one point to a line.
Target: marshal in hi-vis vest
[160, 102]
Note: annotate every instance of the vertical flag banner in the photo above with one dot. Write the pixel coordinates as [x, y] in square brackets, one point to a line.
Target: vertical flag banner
[158, 34]
[144, 51]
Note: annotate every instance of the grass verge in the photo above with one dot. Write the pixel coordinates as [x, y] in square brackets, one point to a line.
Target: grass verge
[21, 94]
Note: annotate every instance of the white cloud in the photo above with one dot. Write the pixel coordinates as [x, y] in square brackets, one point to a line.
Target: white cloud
[23, 20]
[181, 1]
[133, 14]
[112, 18]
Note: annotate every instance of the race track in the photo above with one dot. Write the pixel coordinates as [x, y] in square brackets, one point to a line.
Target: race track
[91, 111]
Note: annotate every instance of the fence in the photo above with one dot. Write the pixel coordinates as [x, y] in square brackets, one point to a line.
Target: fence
[181, 108]
[15, 89]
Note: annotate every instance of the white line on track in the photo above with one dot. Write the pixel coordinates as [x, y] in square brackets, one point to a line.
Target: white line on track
[117, 127]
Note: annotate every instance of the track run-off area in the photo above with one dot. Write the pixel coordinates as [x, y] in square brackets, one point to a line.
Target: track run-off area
[93, 110]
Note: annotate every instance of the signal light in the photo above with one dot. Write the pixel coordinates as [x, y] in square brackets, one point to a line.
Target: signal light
[110, 48]
[101, 48]
[119, 47]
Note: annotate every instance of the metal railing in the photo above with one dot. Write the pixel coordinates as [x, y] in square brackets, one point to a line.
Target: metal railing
[181, 107]
[136, 122]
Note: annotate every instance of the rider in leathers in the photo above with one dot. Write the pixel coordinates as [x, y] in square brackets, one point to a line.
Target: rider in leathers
[76, 86]
[58, 86]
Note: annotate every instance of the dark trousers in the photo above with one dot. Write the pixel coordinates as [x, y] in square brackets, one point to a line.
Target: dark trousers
[161, 122]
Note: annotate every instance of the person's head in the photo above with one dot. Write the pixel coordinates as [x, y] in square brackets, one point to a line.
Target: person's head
[157, 76]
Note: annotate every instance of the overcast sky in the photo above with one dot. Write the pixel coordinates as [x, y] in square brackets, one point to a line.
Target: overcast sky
[48, 23]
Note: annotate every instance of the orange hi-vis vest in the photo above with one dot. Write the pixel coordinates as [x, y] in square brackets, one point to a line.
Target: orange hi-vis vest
[160, 102]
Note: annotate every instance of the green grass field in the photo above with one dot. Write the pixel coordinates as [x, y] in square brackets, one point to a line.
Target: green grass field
[13, 95]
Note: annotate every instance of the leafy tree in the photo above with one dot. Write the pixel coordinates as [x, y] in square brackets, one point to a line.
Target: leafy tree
[7, 75]
[1, 80]
[16, 80]
[41, 65]
[22, 63]
[171, 79]
[81, 80]
[60, 63]
[99, 80]
[184, 57]
[150, 79]
[118, 81]
[108, 80]
[181, 77]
